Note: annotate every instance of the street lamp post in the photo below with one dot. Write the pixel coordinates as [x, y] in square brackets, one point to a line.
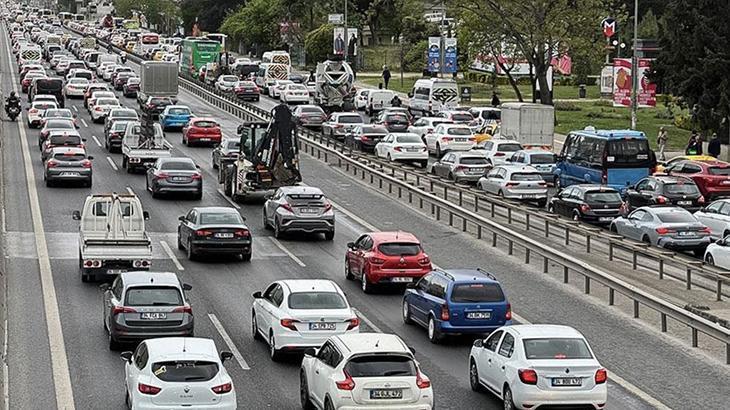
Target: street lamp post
[346, 41]
[635, 68]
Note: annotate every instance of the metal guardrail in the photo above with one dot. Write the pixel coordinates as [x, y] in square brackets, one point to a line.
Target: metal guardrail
[470, 219]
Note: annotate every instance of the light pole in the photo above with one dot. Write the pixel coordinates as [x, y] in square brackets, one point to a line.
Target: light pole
[635, 68]
[346, 42]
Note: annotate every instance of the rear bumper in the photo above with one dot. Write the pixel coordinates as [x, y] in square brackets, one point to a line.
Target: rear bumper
[447, 327]
[387, 276]
[204, 137]
[307, 225]
[56, 175]
[684, 244]
[123, 333]
[535, 397]
[174, 123]
[457, 146]
[525, 195]
[227, 246]
[410, 156]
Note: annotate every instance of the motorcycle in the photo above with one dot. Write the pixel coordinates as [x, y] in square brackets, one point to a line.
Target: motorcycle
[13, 112]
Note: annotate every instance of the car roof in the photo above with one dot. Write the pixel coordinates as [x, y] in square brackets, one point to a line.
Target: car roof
[170, 107]
[594, 187]
[468, 154]
[536, 151]
[669, 178]
[307, 285]
[219, 209]
[468, 275]
[545, 331]
[176, 159]
[302, 190]
[357, 343]
[394, 236]
[150, 278]
[75, 150]
[210, 119]
[665, 209]
[500, 141]
[181, 348]
[518, 168]
[611, 134]
[713, 163]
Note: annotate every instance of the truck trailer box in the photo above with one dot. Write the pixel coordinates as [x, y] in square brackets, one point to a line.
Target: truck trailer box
[533, 125]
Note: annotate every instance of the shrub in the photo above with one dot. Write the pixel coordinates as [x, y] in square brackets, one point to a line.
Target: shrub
[567, 106]
[603, 103]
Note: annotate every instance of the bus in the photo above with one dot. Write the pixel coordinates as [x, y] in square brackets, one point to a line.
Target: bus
[196, 53]
[275, 65]
[616, 158]
[146, 42]
[221, 38]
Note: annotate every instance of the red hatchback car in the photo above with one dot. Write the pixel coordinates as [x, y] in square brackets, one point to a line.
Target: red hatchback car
[202, 131]
[711, 177]
[393, 258]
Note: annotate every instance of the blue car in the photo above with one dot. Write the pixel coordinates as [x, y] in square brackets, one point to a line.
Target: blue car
[175, 116]
[457, 301]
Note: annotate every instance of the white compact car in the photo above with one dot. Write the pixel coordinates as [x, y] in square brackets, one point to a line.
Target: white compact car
[368, 370]
[530, 366]
[450, 137]
[98, 95]
[516, 182]
[297, 314]
[75, 87]
[275, 90]
[499, 151]
[716, 216]
[177, 372]
[295, 93]
[424, 125]
[36, 111]
[403, 146]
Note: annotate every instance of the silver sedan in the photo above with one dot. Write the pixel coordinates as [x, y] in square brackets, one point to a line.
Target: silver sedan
[667, 227]
[516, 182]
[299, 209]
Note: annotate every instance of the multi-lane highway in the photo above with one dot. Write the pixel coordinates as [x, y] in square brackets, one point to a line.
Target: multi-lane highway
[57, 353]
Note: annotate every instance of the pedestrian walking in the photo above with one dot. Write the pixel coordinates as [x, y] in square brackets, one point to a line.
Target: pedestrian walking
[661, 141]
[386, 76]
[495, 100]
[714, 147]
[692, 146]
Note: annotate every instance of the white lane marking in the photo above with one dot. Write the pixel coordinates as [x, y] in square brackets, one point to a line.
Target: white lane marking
[616, 378]
[354, 217]
[6, 381]
[287, 251]
[111, 162]
[230, 201]
[172, 256]
[84, 122]
[76, 109]
[96, 140]
[130, 190]
[366, 320]
[56, 344]
[229, 342]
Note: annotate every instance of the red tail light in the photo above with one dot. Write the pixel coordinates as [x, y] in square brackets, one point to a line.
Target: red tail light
[242, 233]
[445, 312]
[446, 139]
[33, 111]
[511, 184]
[287, 207]
[51, 164]
[527, 376]
[398, 149]
[327, 207]
[353, 323]
[460, 168]
[421, 381]
[289, 324]
[121, 309]
[203, 232]
[585, 208]
[601, 376]
[223, 388]
[183, 309]
[365, 138]
[147, 389]
[623, 208]
[701, 200]
[508, 314]
[347, 384]
[604, 177]
[86, 163]
[196, 177]
[706, 230]
[162, 175]
[661, 199]
[663, 231]
[377, 261]
[424, 260]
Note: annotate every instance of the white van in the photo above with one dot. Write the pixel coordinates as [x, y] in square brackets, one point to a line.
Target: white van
[431, 95]
[377, 100]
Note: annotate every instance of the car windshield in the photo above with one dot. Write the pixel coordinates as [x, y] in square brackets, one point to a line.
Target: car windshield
[680, 188]
[508, 147]
[229, 78]
[220, 218]
[179, 111]
[69, 156]
[107, 101]
[178, 166]
[60, 124]
[525, 176]
[719, 171]
[556, 348]
[399, 249]
[458, 131]
[311, 109]
[153, 296]
[409, 139]
[462, 117]
[185, 371]
[542, 159]
[603, 197]
[205, 124]
[473, 161]
[374, 130]
[380, 366]
[316, 300]
[349, 119]
[124, 114]
[676, 217]
[477, 293]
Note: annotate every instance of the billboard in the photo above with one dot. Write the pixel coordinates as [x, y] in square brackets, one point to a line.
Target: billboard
[434, 54]
[352, 39]
[622, 83]
[647, 90]
[450, 55]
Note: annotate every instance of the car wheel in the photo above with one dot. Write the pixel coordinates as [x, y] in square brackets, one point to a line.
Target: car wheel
[434, 335]
[215, 166]
[246, 257]
[348, 272]
[366, 286]
[277, 229]
[389, 158]
[274, 353]
[424, 164]
[113, 344]
[127, 400]
[474, 376]
[265, 220]
[328, 236]
[452, 177]
[304, 392]
[255, 327]
[328, 404]
[190, 250]
[613, 228]
[438, 150]
[576, 216]
[509, 403]
[406, 313]
[726, 233]
[646, 239]
[710, 260]
[179, 242]
[500, 194]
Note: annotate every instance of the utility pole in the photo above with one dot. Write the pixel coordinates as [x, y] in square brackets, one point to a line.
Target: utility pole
[635, 68]
[346, 41]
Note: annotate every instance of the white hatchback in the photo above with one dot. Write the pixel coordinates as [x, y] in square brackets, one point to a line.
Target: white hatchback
[368, 370]
[530, 366]
[296, 314]
[177, 372]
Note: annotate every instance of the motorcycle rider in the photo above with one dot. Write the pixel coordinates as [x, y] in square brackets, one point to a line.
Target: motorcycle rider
[12, 101]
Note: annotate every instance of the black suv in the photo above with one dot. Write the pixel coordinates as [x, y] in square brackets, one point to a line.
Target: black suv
[590, 203]
[665, 190]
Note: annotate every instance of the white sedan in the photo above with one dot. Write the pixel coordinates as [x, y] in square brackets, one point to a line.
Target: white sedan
[450, 137]
[177, 372]
[424, 125]
[75, 87]
[401, 146]
[294, 315]
[294, 93]
[36, 111]
[716, 216]
[718, 253]
[275, 90]
[225, 83]
[102, 107]
[530, 366]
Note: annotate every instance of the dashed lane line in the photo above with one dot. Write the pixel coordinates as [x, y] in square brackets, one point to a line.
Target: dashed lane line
[171, 254]
[287, 251]
[111, 162]
[228, 341]
[131, 192]
[96, 140]
[84, 122]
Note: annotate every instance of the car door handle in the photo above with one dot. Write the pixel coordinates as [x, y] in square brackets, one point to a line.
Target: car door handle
[489, 360]
[316, 371]
[502, 367]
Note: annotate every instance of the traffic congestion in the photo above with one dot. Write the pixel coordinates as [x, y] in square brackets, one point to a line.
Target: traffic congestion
[133, 155]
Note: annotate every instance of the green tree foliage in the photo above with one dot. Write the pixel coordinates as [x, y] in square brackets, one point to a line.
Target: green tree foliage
[648, 26]
[318, 44]
[694, 60]
[256, 24]
[209, 13]
[415, 28]
[415, 58]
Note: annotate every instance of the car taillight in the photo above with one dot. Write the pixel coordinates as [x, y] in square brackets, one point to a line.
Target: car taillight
[33, 111]
[183, 309]
[141, 263]
[601, 376]
[327, 207]
[289, 323]
[377, 261]
[472, 139]
[706, 230]
[353, 323]
[398, 149]
[196, 177]
[508, 314]
[527, 376]
[446, 139]
[222, 389]
[86, 163]
[90, 263]
[499, 154]
[424, 260]
[98, 108]
[287, 207]
[445, 312]
[347, 384]
[161, 175]
[663, 231]
[203, 232]
[147, 389]
[365, 138]
[44, 134]
[243, 233]
[585, 208]
[338, 125]
[422, 381]
[701, 200]
[623, 208]
[122, 309]
[460, 168]
[511, 184]
[661, 199]
[51, 164]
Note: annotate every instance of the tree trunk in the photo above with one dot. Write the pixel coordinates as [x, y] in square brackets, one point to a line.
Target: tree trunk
[511, 79]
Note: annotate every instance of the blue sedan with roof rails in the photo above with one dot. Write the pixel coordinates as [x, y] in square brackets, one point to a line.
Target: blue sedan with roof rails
[456, 301]
[175, 116]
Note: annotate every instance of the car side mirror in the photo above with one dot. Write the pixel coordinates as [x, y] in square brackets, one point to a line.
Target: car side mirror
[478, 343]
[269, 196]
[257, 295]
[181, 218]
[412, 349]
[226, 355]
[126, 356]
[411, 285]
[104, 287]
[311, 352]
[187, 287]
[76, 215]
[90, 158]
[83, 139]
[410, 95]
[145, 215]
[350, 245]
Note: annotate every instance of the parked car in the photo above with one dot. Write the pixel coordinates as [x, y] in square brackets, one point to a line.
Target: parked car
[175, 175]
[214, 230]
[541, 160]
[456, 301]
[712, 177]
[310, 116]
[67, 164]
[538, 366]
[299, 209]
[716, 216]
[665, 190]
[403, 147]
[596, 204]
[298, 314]
[449, 137]
[386, 258]
[201, 130]
[515, 182]
[365, 137]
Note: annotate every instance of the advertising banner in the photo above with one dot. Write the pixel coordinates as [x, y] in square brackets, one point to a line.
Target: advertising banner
[338, 41]
[647, 90]
[450, 55]
[621, 82]
[352, 39]
[434, 54]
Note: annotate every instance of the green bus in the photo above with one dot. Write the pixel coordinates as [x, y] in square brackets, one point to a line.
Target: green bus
[196, 53]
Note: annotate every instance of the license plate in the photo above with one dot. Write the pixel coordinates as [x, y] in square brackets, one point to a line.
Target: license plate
[726, 182]
[322, 326]
[153, 315]
[479, 315]
[386, 394]
[684, 202]
[224, 235]
[377, 105]
[605, 219]
[402, 279]
[567, 381]
[205, 139]
[460, 139]
[476, 170]
[179, 178]
[115, 271]
[686, 233]
[69, 174]
[413, 149]
[309, 211]
[528, 195]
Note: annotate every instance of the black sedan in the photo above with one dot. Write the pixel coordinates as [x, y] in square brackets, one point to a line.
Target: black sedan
[365, 137]
[590, 203]
[214, 230]
[665, 190]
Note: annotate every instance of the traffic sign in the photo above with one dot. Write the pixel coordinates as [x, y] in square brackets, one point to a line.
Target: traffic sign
[609, 27]
[335, 18]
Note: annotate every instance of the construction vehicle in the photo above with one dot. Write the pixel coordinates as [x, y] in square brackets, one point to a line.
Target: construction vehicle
[268, 157]
[112, 236]
[334, 79]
